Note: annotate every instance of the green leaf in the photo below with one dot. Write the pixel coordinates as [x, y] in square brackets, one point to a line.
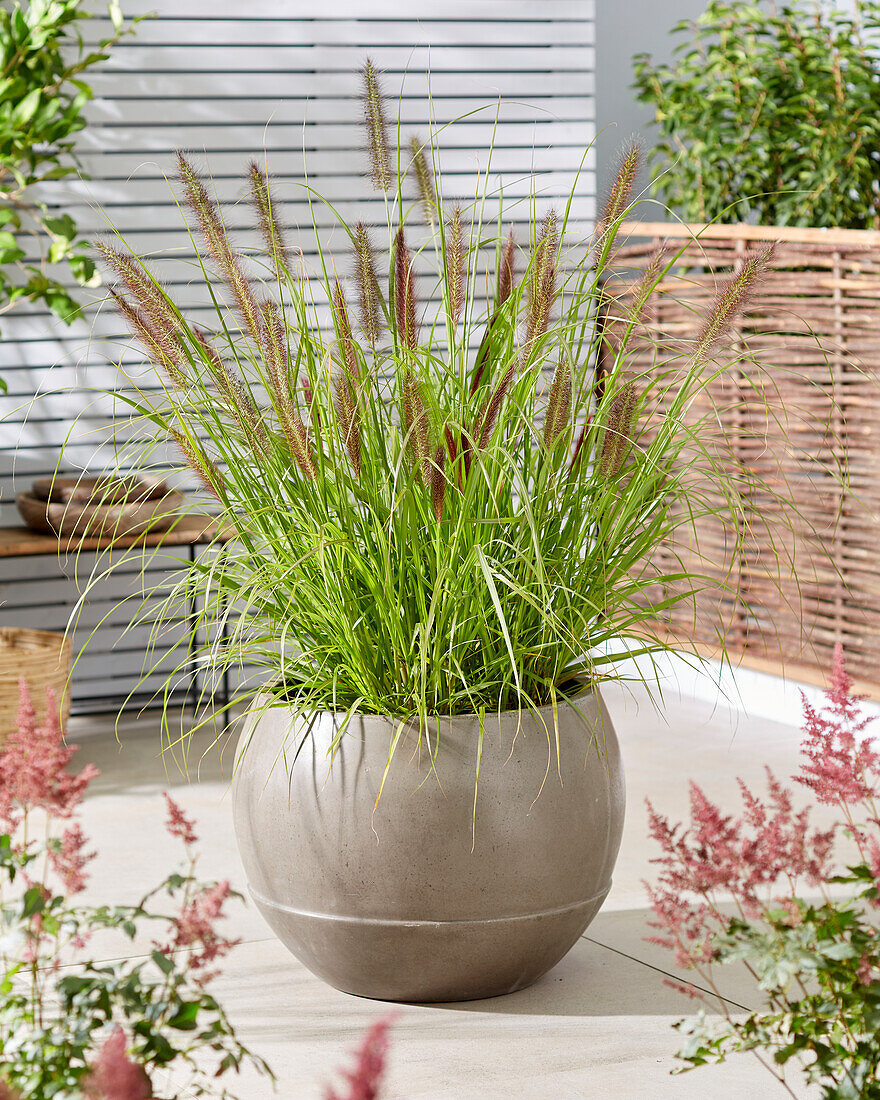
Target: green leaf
[163, 961]
[26, 109]
[186, 1017]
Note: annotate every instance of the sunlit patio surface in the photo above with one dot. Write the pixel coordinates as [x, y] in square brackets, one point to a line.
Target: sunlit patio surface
[598, 1025]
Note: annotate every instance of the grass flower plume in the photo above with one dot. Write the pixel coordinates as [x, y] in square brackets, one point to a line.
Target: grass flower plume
[440, 505]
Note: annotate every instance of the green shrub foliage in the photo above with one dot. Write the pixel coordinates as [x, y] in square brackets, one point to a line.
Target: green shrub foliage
[42, 96]
[770, 115]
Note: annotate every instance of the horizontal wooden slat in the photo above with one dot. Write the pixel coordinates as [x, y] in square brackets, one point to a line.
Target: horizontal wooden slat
[274, 79]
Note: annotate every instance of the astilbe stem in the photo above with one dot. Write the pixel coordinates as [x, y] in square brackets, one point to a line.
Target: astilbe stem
[542, 284]
[205, 470]
[227, 260]
[165, 354]
[619, 426]
[423, 174]
[266, 208]
[733, 297]
[238, 398]
[367, 284]
[506, 271]
[404, 294]
[558, 403]
[377, 129]
[455, 266]
[620, 193]
[294, 430]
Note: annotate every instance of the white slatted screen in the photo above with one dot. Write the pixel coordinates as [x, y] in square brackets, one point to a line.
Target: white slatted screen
[227, 81]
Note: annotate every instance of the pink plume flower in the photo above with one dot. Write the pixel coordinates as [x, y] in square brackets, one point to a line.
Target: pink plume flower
[365, 1078]
[33, 766]
[194, 929]
[114, 1076]
[69, 859]
[177, 823]
[841, 765]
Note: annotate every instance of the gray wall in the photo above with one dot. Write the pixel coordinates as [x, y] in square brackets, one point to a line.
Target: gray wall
[624, 28]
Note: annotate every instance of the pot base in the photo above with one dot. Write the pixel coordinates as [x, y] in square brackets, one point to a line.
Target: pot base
[430, 962]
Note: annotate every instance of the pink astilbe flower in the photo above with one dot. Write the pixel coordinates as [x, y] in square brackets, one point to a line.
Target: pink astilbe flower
[69, 859]
[841, 766]
[717, 856]
[7, 1092]
[177, 823]
[194, 930]
[114, 1076]
[33, 765]
[365, 1078]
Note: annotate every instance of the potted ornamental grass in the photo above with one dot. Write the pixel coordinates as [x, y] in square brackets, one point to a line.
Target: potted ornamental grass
[445, 524]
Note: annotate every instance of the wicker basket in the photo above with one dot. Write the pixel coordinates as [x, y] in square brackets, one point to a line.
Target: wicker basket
[802, 402]
[43, 658]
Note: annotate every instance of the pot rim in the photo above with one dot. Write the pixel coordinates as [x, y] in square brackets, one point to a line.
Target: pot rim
[586, 692]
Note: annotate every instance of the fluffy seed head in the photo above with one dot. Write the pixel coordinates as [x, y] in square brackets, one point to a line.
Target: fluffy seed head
[236, 394]
[542, 283]
[423, 175]
[343, 328]
[415, 423]
[731, 300]
[404, 293]
[280, 389]
[558, 403]
[345, 400]
[148, 295]
[618, 430]
[644, 288]
[206, 471]
[165, 351]
[455, 266]
[579, 445]
[493, 405]
[377, 130]
[506, 270]
[620, 193]
[367, 284]
[438, 481]
[227, 260]
[267, 218]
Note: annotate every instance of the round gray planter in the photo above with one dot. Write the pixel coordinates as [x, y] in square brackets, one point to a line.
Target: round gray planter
[415, 898]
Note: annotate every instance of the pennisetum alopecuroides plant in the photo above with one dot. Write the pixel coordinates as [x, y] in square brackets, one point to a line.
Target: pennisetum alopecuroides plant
[437, 508]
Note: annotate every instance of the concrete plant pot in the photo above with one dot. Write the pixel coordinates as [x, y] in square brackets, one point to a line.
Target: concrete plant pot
[406, 900]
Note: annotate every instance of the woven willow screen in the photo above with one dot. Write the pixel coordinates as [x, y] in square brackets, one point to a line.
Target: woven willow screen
[800, 406]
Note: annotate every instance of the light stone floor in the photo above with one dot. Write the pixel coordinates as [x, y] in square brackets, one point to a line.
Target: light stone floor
[598, 1026]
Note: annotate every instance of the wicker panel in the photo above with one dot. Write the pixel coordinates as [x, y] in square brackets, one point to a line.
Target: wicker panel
[43, 659]
[800, 408]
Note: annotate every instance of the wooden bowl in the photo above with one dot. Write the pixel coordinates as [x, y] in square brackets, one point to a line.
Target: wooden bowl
[75, 518]
[98, 490]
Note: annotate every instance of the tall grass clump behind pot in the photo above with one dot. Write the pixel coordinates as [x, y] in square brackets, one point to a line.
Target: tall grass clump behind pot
[439, 507]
